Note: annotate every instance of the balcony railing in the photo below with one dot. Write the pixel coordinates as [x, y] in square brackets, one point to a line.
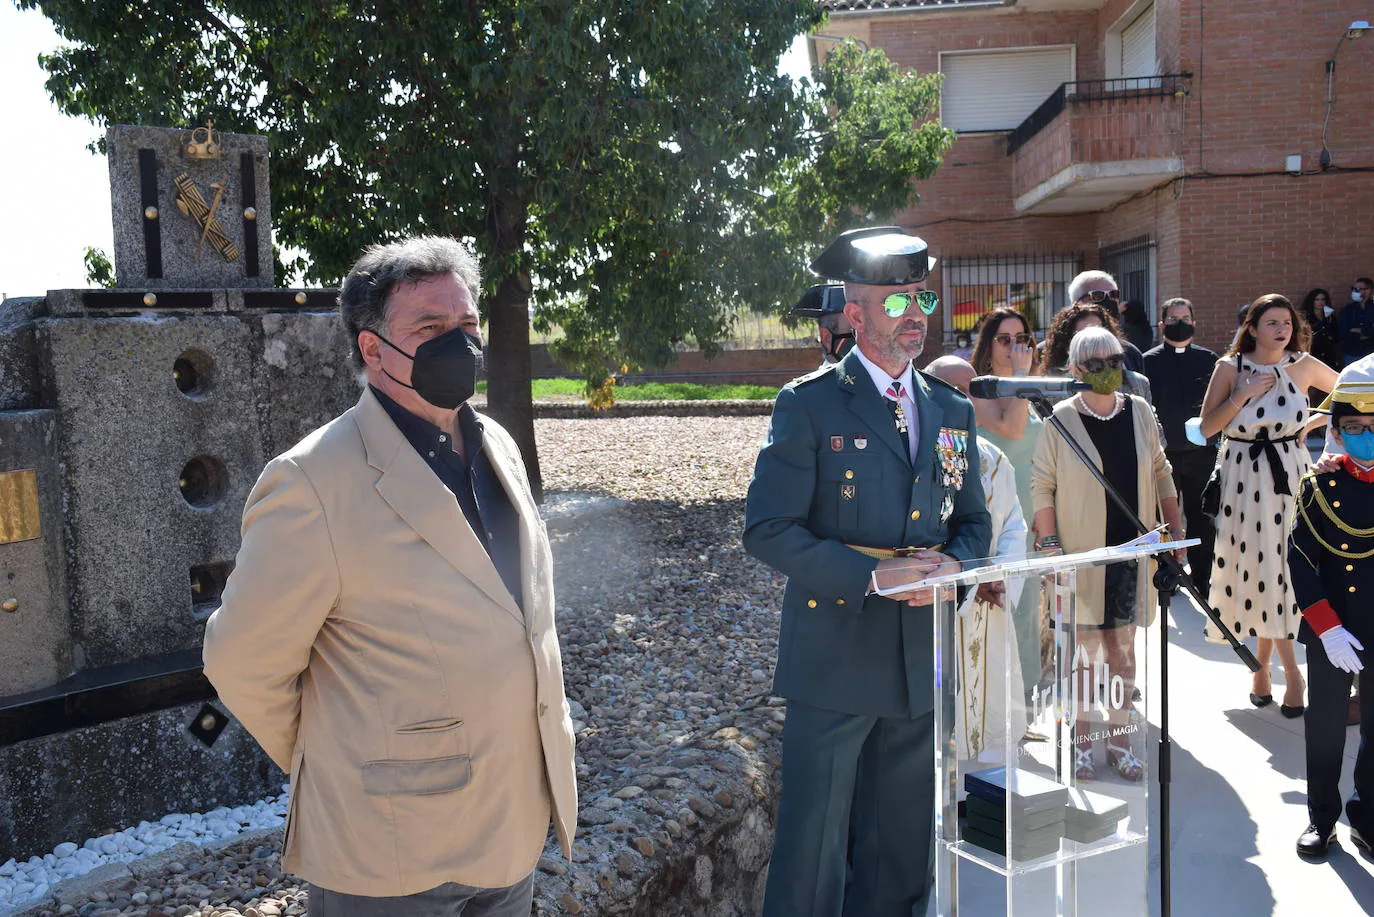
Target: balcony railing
[1121, 88]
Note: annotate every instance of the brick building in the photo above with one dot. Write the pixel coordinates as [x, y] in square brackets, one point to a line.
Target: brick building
[1176, 143]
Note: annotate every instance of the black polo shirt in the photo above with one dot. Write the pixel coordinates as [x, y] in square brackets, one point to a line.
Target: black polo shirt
[473, 482]
[1178, 383]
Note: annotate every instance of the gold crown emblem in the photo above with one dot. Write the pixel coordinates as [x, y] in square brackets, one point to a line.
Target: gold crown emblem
[202, 142]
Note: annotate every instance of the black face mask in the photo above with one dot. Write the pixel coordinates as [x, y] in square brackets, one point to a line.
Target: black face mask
[1179, 331]
[840, 344]
[445, 368]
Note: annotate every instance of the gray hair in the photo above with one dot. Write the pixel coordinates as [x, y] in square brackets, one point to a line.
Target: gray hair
[1094, 341]
[364, 295]
[1079, 283]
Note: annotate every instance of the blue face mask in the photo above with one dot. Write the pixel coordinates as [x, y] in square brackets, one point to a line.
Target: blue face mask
[1360, 447]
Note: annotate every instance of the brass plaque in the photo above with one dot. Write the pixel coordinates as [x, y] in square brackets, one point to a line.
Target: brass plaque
[19, 506]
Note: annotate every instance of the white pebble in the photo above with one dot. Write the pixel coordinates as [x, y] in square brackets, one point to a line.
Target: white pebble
[22, 884]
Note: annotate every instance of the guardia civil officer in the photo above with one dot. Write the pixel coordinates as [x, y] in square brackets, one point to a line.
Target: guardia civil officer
[825, 303]
[869, 466]
[1330, 560]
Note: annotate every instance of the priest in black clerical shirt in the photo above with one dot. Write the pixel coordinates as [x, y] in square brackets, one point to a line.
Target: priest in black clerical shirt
[1178, 371]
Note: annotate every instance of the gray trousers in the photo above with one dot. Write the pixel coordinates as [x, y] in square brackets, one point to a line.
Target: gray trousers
[448, 900]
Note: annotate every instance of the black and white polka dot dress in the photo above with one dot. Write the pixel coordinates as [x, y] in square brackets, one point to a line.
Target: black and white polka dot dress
[1250, 582]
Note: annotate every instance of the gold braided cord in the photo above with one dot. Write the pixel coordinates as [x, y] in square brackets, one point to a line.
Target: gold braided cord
[1330, 514]
[1348, 555]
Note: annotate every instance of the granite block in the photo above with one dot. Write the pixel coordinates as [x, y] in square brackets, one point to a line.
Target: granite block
[35, 630]
[188, 257]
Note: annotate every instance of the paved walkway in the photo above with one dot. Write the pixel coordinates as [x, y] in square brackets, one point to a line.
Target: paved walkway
[1239, 804]
[1239, 795]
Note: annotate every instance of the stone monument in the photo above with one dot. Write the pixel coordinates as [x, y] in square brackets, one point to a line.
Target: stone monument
[133, 422]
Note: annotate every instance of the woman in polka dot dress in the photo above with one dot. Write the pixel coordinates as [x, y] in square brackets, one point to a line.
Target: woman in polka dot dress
[1258, 395]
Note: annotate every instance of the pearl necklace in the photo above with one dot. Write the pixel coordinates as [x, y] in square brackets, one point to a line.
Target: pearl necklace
[1117, 405]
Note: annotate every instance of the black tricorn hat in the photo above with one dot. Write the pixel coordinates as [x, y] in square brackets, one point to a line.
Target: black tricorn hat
[882, 256]
[821, 299]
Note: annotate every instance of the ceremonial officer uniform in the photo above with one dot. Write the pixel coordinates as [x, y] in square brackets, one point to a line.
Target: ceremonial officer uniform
[836, 476]
[1331, 558]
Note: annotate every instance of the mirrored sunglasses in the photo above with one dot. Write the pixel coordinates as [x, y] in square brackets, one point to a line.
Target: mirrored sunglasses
[896, 305]
[1354, 428]
[1006, 339]
[1097, 364]
[1100, 296]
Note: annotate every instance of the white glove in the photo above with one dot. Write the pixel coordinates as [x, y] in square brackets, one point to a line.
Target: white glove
[1340, 645]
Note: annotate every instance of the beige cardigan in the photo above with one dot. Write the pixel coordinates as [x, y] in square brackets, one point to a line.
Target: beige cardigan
[1059, 480]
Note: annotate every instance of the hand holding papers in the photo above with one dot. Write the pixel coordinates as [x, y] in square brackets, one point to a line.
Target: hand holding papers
[900, 578]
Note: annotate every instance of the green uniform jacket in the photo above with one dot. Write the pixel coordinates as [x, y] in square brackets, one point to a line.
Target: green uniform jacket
[815, 490]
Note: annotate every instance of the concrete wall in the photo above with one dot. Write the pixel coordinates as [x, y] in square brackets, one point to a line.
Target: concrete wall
[75, 785]
[147, 428]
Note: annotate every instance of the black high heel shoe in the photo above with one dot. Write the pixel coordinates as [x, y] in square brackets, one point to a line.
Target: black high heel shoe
[1261, 700]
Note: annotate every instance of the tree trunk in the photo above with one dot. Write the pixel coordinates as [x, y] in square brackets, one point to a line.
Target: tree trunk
[509, 398]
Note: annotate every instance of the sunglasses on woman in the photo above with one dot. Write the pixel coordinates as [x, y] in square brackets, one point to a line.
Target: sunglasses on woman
[896, 305]
[1100, 296]
[1006, 339]
[1097, 364]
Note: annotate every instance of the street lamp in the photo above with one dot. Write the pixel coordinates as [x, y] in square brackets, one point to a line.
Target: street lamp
[1353, 32]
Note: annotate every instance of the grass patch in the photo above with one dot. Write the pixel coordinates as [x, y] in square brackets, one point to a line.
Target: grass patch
[652, 391]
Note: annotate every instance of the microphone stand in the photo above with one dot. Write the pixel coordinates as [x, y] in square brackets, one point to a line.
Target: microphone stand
[1169, 575]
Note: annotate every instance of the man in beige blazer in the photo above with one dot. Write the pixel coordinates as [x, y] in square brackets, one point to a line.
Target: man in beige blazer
[388, 635]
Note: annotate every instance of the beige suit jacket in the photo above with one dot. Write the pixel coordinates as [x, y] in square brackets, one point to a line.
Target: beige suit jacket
[368, 643]
[1059, 480]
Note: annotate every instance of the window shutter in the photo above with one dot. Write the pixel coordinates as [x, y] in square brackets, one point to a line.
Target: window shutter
[1138, 46]
[996, 90]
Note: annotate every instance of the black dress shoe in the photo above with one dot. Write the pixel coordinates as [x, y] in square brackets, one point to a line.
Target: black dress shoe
[1358, 840]
[1292, 712]
[1314, 842]
[1261, 700]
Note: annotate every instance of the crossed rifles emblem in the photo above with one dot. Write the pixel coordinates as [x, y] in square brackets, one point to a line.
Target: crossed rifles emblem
[190, 202]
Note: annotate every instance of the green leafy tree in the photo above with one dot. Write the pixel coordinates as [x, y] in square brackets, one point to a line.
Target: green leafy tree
[635, 170]
[99, 271]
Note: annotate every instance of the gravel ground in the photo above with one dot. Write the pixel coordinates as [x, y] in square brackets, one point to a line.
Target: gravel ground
[669, 633]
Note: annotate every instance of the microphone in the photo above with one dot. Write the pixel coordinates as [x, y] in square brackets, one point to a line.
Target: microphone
[1027, 387]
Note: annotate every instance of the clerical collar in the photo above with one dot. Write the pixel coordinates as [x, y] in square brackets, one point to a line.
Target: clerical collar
[1183, 349]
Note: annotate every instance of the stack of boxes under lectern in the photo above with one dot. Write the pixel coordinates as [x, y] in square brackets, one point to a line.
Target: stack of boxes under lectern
[1042, 812]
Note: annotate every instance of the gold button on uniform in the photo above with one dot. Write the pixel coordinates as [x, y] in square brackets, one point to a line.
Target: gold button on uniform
[839, 601]
[1345, 547]
[915, 514]
[810, 603]
[1352, 588]
[1349, 567]
[848, 474]
[1335, 504]
[1331, 483]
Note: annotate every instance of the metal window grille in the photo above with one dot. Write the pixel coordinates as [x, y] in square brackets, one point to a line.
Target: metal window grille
[1131, 263]
[1034, 285]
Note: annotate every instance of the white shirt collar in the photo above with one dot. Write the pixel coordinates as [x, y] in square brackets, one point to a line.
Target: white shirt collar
[881, 380]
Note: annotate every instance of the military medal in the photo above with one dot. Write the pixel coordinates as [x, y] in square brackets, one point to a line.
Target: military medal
[901, 419]
[837, 444]
[860, 441]
[951, 448]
